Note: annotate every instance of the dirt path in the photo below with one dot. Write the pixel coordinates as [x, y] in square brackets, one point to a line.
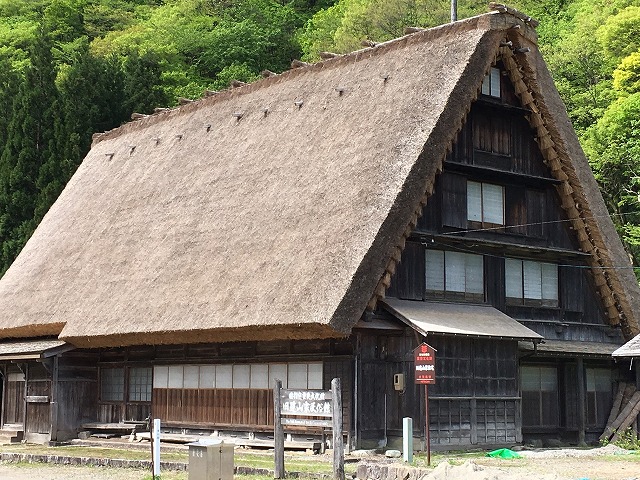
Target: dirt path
[62, 472]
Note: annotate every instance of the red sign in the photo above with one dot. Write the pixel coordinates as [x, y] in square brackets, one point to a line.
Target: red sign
[424, 358]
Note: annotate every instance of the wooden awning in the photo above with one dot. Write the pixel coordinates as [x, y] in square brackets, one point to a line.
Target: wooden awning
[430, 318]
[573, 348]
[32, 349]
[629, 349]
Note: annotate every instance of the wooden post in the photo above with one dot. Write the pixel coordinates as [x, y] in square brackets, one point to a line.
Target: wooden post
[427, 435]
[153, 467]
[278, 433]
[156, 448]
[582, 408]
[338, 447]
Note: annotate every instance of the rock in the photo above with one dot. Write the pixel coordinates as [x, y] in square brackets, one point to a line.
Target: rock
[393, 454]
[553, 443]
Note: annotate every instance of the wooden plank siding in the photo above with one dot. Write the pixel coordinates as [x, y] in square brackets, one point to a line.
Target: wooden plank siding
[14, 402]
[240, 408]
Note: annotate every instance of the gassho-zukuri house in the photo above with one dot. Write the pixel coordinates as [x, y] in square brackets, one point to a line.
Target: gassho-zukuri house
[322, 223]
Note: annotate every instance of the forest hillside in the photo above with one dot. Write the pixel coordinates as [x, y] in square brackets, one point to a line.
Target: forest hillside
[69, 68]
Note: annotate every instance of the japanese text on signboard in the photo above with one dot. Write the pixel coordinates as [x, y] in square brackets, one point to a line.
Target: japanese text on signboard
[425, 364]
[314, 403]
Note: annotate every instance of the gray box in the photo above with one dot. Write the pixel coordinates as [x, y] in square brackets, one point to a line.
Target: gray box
[210, 460]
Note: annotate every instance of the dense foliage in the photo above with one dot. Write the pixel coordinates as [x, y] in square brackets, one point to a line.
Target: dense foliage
[69, 68]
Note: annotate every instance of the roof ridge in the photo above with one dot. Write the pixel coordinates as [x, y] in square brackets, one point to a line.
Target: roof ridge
[355, 56]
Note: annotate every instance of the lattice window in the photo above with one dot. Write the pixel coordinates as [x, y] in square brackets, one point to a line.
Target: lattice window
[112, 384]
[140, 381]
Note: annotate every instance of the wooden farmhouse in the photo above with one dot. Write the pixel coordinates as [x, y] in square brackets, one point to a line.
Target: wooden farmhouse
[322, 223]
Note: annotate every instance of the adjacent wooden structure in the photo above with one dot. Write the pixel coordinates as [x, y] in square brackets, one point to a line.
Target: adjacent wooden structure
[429, 188]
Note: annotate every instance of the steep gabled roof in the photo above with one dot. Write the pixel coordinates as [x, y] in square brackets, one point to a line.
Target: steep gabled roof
[279, 209]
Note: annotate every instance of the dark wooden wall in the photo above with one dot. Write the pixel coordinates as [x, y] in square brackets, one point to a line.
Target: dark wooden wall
[77, 392]
[475, 400]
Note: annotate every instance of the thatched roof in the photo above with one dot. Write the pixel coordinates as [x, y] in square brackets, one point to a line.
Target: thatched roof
[278, 209]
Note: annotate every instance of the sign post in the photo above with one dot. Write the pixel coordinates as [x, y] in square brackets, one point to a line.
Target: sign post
[309, 408]
[424, 358]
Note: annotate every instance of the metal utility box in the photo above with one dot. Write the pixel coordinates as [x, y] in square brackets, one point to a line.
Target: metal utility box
[210, 460]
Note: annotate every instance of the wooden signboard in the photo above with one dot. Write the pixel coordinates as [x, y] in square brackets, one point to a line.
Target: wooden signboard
[325, 408]
[424, 359]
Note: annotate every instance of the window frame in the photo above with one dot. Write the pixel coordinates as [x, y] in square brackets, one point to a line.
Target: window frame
[541, 396]
[482, 211]
[492, 83]
[438, 272]
[530, 280]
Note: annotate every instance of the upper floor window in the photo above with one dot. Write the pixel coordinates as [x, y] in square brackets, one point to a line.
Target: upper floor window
[491, 83]
[531, 283]
[454, 275]
[485, 203]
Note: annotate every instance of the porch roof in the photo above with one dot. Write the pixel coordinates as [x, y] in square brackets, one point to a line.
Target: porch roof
[572, 348]
[32, 349]
[458, 319]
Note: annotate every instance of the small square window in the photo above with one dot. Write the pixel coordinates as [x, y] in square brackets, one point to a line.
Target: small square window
[491, 83]
[485, 203]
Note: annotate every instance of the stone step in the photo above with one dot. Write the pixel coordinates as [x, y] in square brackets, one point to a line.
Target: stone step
[10, 435]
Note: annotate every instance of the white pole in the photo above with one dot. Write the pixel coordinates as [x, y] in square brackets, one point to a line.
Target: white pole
[156, 447]
[407, 439]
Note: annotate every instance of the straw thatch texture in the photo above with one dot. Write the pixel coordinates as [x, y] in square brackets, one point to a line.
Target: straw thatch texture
[273, 210]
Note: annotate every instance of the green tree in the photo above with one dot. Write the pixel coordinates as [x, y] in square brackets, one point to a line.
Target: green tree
[613, 145]
[31, 151]
[142, 89]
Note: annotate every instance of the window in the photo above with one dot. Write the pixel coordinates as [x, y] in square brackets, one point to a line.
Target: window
[539, 396]
[140, 384]
[239, 376]
[491, 83]
[454, 275]
[112, 384]
[531, 283]
[599, 396]
[485, 203]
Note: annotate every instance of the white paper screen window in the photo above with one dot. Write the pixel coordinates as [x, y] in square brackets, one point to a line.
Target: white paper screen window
[297, 377]
[494, 75]
[434, 267]
[492, 203]
[474, 201]
[532, 280]
[474, 278]
[160, 376]
[259, 376]
[491, 83]
[224, 376]
[241, 376]
[207, 376]
[191, 376]
[176, 376]
[455, 271]
[513, 278]
[549, 281]
[278, 371]
[315, 380]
